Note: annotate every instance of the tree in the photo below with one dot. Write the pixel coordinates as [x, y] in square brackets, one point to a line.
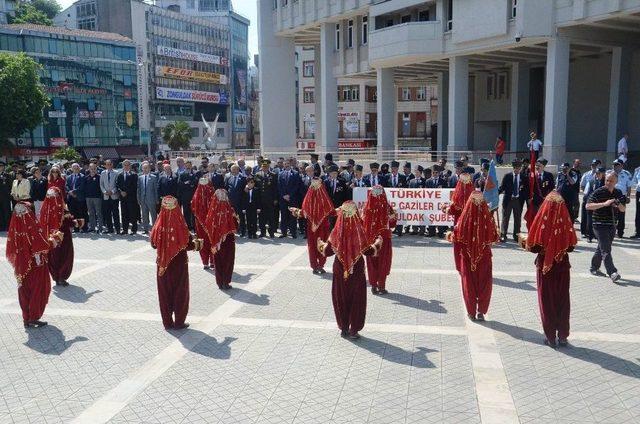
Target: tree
[26, 13]
[177, 135]
[67, 153]
[49, 7]
[23, 97]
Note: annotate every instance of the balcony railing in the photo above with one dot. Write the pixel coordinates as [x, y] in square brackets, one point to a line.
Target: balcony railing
[404, 43]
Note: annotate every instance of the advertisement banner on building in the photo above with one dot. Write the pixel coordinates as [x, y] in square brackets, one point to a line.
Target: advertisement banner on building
[189, 55]
[57, 114]
[58, 142]
[240, 83]
[191, 75]
[414, 206]
[85, 114]
[239, 120]
[166, 93]
[143, 94]
[352, 125]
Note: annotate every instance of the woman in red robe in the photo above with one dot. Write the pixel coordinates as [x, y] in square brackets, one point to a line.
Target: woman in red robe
[26, 251]
[200, 207]
[171, 238]
[379, 219]
[475, 232]
[54, 216]
[317, 207]
[221, 226]
[349, 242]
[57, 180]
[551, 236]
[462, 191]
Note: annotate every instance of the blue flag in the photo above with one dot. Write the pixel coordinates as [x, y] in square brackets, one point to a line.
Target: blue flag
[491, 188]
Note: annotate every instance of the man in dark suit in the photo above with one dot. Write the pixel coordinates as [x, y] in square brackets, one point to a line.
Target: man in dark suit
[289, 182]
[317, 169]
[251, 207]
[374, 178]
[418, 182]
[396, 180]
[267, 184]
[513, 189]
[436, 181]
[336, 186]
[216, 178]
[545, 183]
[187, 181]
[74, 187]
[167, 182]
[235, 183]
[127, 185]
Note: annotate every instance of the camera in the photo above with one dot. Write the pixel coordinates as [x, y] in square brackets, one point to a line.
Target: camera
[518, 37]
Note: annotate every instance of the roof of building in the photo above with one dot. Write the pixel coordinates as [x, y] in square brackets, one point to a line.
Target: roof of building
[108, 36]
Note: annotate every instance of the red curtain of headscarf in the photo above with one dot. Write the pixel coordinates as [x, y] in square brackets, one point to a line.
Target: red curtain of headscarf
[201, 200]
[348, 238]
[317, 205]
[52, 212]
[476, 229]
[170, 234]
[462, 191]
[375, 214]
[221, 219]
[552, 230]
[25, 239]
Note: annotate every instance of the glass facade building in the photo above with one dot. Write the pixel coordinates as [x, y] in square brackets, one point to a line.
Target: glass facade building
[91, 81]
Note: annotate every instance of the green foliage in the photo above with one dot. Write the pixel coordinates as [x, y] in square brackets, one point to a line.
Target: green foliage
[67, 153]
[177, 135]
[23, 97]
[49, 7]
[27, 13]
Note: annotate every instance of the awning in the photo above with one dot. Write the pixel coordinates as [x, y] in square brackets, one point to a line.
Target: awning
[105, 152]
[130, 152]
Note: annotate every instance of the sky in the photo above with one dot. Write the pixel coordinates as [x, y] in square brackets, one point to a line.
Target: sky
[246, 8]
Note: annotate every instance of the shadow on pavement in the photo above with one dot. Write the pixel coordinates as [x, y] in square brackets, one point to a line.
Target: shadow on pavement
[207, 346]
[392, 353]
[49, 340]
[74, 294]
[416, 303]
[525, 285]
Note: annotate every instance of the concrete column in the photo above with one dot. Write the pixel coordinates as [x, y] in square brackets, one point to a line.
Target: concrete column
[277, 84]
[618, 98]
[443, 111]
[317, 83]
[386, 110]
[519, 107]
[328, 92]
[458, 103]
[556, 95]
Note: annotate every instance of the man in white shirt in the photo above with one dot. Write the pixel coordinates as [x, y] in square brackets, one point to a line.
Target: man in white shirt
[624, 185]
[623, 148]
[636, 181]
[535, 144]
[111, 215]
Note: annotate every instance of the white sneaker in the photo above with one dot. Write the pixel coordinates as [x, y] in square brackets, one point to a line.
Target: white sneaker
[615, 277]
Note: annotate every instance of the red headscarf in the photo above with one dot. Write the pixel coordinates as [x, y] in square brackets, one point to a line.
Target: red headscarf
[317, 204]
[170, 234]
[375, 214]
[58, 181]
[476, 229]
[462, 191]
[221, 219]
[52, 212]
[552, 230]
[201, 200]
[348, 238]
[24, 240]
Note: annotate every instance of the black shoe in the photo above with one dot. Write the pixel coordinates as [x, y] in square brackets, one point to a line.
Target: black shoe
[480, 317]
[374, 290]
[322, 271]
[344, 334]
[550, 344]
[471, 317]
[354, 336]
[181, 327]
[563, 343]
[272, 235]
[64, 283]
[382, 291]
[294, 236]
[206, 267]
[503, 239]
[38, 323]
[315, 271]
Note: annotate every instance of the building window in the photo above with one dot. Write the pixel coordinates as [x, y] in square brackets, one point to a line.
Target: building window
[421, 93]
[514, 8]
[337, 36]
[450, 15]
[371, 94]
[350, 33]
[285, 3]
[308, 95]
[405, 19]
[389, 23]
[365, 30]
[275, 4]
[307, 69]
[220, 132]
[491, 84]
[503, 90]
[406, 94]
[423, 16]
[348, 93]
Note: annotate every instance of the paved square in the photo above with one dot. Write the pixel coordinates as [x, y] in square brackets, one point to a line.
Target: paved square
[269, 351]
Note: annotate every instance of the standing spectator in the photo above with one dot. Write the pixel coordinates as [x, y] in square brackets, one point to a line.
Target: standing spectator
[147, 196]
[636, 181]
[598, 182]
[500, 147]
[545, 184]
[623, 148]
[251, 207]
[606, 203]
[6, 181]
[535, 144]
[575, 206]
[75, 194]
[93, 198]
[624, 185]
[317, 169]
[187, 181]
[38, 190]
[586, 183]
[397, 180]
[336, 188]
[514, 192]
[566, 183]
[436, 181]
[235, 183]
[21, 189]
[110, 198]
[56, 179]
[289, 183]
[127, 184]
[374, 178]
[167, 181]
[267, 184]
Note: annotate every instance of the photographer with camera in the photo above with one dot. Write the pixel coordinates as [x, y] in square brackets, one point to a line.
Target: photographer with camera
[566, 183]
[606, 203]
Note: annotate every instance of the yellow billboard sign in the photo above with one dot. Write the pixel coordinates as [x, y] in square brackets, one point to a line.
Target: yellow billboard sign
[191, 75]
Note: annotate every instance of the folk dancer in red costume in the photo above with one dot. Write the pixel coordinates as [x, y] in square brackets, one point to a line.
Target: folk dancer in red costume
[171, 238]
[200, 207]
[221, 225]
[349, 242]
[27, 248]
[54, 217]
[476, 231]
[461, 192]
[552, 236]
[379, 220]
[317, 207]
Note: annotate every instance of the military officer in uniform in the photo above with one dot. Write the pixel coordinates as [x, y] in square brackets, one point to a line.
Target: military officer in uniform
[267, 184]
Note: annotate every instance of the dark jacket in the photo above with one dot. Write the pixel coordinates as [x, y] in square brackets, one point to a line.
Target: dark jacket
[38, 188]
[267, 184]
[341, 192]
[507, 188]
[92, 186]
[235, 189]
[289, 184]
[401, 181]
[186, 187]
[130, 186]
[168, 185]
[76, 184]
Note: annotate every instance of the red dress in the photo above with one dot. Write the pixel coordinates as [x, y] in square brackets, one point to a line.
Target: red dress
[221, 225]
[553, 298]
[61, 257]
[462, 191]
[199, 206]
[379, 219]
[34, 291]
[60, 184]
[316, 209]
[224, 260]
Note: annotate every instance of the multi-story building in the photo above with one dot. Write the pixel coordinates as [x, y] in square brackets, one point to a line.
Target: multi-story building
[90, 78]
[6, 9]
[564, 68]
[253, 126]
[357, 114]
[221, 12]
[183, 61]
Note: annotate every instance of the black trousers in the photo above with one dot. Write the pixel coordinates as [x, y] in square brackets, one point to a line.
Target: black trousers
[188, 214]
[268, 218]
[242, 228]
[5, 214]
[287, 221]
[620, 218]
[511, 205]
[637, 213]
[78, 209]
[110, 214]
[584, 226]
[130, 213]
[252, 221]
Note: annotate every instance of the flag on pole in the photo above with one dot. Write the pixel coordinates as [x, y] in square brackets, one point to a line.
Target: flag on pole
[491, 187]
[531, 213]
